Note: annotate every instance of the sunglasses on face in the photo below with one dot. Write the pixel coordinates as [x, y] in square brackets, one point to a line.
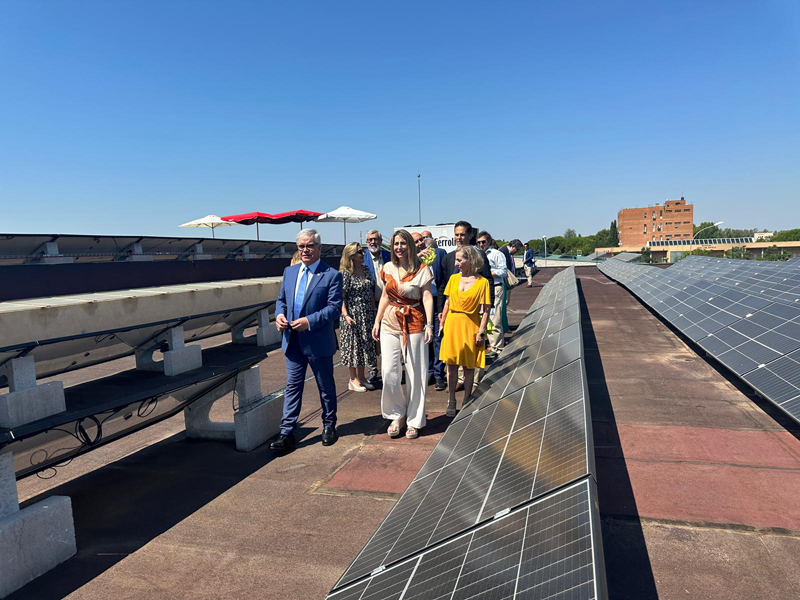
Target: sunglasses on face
[360, 251]
[482, 242]
[309, 247]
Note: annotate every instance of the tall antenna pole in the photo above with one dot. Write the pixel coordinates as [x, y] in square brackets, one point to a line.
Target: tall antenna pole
[419, 199]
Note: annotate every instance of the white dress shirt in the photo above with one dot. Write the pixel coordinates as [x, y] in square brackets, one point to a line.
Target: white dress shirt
[312, 269]
[497, 264]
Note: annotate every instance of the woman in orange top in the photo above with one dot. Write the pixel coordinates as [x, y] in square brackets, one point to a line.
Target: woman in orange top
[464, 317]
[404, 328]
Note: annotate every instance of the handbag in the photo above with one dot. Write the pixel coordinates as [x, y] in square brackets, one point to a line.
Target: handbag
[511, 279]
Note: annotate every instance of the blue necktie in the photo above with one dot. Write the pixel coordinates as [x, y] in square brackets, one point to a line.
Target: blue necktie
[301, 292]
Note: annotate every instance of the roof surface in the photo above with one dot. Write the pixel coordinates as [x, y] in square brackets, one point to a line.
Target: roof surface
[697, 481]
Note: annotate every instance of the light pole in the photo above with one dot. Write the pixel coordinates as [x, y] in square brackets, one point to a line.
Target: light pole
[544, 237]
[709, 227]
[419, 199]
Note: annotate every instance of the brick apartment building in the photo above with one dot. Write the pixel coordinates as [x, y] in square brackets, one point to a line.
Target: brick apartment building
[672, 221]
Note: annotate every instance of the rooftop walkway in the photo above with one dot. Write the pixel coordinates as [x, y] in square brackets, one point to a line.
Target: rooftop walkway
[698, 484]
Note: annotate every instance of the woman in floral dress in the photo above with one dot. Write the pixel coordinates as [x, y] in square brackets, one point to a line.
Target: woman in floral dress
[358, 315]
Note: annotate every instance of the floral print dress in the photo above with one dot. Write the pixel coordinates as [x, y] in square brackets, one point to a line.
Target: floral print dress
[358, 347]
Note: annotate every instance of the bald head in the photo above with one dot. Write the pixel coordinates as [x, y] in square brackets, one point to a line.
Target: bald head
[419, 242]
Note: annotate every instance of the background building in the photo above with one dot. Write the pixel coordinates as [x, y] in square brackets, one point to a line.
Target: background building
[672, 221]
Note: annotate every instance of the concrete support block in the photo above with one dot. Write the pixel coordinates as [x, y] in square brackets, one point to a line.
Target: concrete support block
[178, 359]
[9, 500]
[18, 408]
[48, 254]
[198, 254]
[34, 540]
[182, 360]
[26, 401]
[197, 416]
[137, 255]
[258, 422]
[20, 373]
[266, 333]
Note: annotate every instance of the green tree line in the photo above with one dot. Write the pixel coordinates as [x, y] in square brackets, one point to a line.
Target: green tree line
[573, 243]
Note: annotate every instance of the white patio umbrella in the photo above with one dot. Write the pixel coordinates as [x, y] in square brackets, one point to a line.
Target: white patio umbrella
[210, 221]
[346, 215]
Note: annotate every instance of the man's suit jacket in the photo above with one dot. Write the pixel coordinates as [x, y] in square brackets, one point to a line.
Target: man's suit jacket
[448, 268]
[385, 254]
[322, 306]
[509, 259]
[438, 282]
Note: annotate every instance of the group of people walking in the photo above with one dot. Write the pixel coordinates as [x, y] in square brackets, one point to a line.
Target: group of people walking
[421, 309]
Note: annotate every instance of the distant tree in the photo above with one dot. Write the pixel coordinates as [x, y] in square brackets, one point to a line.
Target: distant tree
[569, 234]
[788, 235]
[536, 245]
[707, 230]
[555, 245]
[775, 253]
[646, 256]
[739, 252]
[613, 234]
[602, 239]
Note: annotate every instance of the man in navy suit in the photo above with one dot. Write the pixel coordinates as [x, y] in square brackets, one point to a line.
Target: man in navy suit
[436, 366]
[374, 261]
[309, 303]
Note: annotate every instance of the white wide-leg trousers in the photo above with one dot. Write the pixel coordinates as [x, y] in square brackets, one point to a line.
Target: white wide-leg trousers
[395, 404]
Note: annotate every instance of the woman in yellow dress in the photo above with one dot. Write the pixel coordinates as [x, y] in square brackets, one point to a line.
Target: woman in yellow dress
[463, 324]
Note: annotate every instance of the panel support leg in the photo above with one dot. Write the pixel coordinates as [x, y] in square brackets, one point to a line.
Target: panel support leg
[25, 401]
[32, 540]
[178, 358]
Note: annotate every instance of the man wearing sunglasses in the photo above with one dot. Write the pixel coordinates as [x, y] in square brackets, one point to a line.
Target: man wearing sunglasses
[374, 260]
[309, 303]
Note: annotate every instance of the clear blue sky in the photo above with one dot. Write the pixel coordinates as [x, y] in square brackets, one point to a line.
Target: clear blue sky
[524, 117]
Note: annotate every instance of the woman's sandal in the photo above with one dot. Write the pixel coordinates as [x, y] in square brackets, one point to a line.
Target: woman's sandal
[412, 433]
[394, 429]
[451, 411]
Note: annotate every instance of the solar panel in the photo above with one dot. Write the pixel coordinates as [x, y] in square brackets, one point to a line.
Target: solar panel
[544, 550]
[742, 313]
[522, 447]
[503, 503]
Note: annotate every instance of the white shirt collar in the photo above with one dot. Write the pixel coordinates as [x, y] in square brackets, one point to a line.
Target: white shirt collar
[312, 267]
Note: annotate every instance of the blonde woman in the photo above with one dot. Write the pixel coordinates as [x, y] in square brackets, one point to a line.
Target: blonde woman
[404, 328]
[464, 317]
[358, 315]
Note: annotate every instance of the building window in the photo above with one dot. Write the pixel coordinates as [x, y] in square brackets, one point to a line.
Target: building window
[645, 215]
[669, 222]
[645, 228]
[686, 222]
[669, 210]
[661, 214]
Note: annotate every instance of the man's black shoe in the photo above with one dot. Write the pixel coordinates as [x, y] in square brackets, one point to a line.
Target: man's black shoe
[441, 384]
[329, 436]
[284, 443]
[431, 379]
[370, 386]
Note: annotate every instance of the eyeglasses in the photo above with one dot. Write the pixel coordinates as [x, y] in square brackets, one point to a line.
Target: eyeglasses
[373, 240]
[482, 242]
[360, 251]
[302, 247]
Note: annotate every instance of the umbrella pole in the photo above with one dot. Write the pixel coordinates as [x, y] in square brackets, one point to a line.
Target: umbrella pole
[212, 232]
[345, 232]
[258, 236]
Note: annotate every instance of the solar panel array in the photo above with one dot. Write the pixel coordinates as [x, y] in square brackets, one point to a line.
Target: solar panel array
[628, 256]
[505, 506]
[745, 314]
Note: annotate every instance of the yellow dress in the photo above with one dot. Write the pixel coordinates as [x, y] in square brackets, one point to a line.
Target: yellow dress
[462, 323]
